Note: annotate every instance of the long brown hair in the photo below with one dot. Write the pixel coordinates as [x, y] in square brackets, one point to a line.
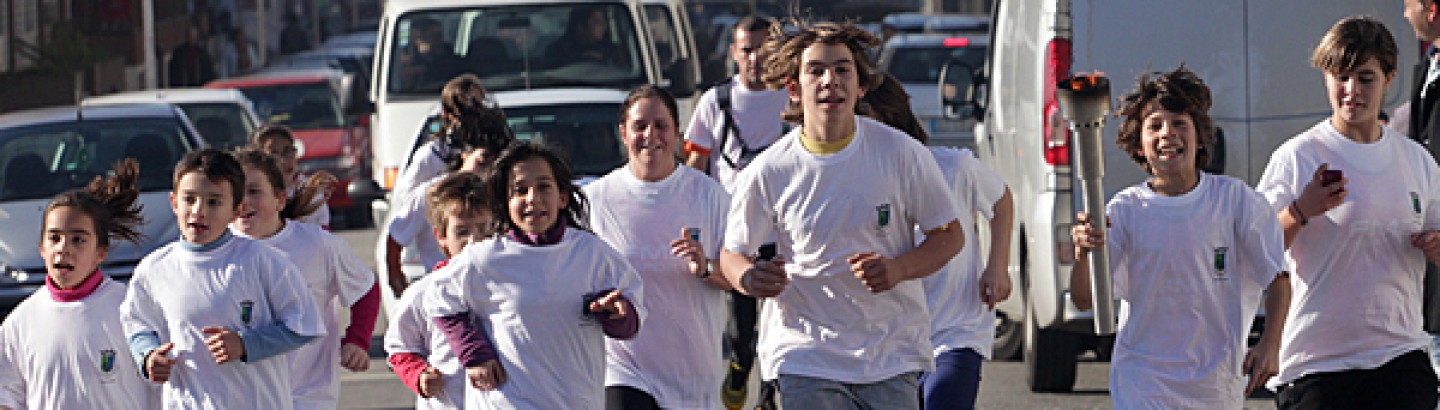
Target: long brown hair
[470, 123]
[308, 196]
[110, 203]
[502, 174]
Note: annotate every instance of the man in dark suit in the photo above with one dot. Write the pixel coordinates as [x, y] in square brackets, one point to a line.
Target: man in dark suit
[1424, 126]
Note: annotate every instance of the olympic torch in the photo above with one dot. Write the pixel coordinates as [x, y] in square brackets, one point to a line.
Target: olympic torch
[1085, 102]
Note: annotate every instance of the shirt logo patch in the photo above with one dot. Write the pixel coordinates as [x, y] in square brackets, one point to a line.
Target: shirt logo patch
[882, 215]
[247, 310]
[1415, 202]
[107, 366]
[1220, 261]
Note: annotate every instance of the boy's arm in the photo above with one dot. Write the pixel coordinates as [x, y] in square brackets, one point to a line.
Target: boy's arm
[1263, 361]
[269, 341]
[469, 342]
[995, 283]
[881, 274]
[393, 273]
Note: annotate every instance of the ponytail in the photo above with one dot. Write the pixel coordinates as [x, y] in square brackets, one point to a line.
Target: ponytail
[110, 203]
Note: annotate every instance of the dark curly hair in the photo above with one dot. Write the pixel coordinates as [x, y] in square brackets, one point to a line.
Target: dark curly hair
[786, 52]
[1179, 91]
[110, 203]
[503, 173]
[470, 123]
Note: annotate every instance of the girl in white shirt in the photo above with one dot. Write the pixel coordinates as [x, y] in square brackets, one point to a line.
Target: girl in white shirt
[544, 289]
[277, 140]
[1354, 337]
[336, 276]
[668, 221]
[1190, 254]
[62, 348]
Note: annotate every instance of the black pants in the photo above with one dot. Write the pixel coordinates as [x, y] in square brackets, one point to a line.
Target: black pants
[1407, 382]
[746, 311]
[628, 398]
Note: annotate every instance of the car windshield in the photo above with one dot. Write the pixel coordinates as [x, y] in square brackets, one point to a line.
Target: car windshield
[516, 47]
[44, 160]
[923, 64]
[585, 134]
[222, 125]
[298, 106]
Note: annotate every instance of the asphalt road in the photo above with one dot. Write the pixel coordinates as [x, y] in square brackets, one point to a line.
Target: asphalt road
[1002, 385]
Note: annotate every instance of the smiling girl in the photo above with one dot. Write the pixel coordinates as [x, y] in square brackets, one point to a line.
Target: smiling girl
[62, 348]
[1187, 299]
[336, 276]
[545, 290]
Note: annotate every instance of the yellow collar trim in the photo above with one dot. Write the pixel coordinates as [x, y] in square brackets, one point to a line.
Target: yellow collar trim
[825, 148]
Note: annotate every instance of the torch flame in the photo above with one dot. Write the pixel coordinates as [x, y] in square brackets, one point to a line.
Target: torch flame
[1085, 81]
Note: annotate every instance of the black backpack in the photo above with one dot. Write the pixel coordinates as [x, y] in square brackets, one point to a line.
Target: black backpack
[727, 127]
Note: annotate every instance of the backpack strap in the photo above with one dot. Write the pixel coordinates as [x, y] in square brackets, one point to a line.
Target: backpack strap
[727, 123]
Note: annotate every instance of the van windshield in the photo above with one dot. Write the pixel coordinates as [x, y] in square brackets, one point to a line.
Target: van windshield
[516, 47]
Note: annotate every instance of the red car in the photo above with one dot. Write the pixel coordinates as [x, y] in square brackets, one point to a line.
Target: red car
[334, 136]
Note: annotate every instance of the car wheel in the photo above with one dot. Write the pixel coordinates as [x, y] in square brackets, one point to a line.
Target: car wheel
[1009, 337]
[1051, 356]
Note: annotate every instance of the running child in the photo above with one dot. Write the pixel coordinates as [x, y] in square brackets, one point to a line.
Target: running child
[1190, 254]
[545, 290]
[336, 277]
[277, 140]
[212, 315]
[471, 127]
[668, 220]
[62, 347]
[418, 351]
[963, 294]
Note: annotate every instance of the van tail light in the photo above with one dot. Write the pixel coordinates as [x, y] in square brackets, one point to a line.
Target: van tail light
[391, 174]
[1057, 136]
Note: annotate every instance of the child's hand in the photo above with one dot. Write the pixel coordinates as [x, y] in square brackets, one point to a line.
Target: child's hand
[877, 272]
[354, 358]
[159, 362]
[994, 285]
[611, 303]
[1085, 235]
[764, 279]
[224, 344]
[1262, 362]
[1316, 199]
[490, 375]
[691, 250]
[432, 383]
[398, 282]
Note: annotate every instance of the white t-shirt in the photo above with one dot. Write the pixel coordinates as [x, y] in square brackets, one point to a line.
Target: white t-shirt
[677, 359]
[425, 164]
[410, 225]
[412, 331]
[337, 279]
[531, 300]
[71, 355]
[823, 209]
[1356, 293]
[1189, 270]
[241, 284]
[958, 318]
[757, 116]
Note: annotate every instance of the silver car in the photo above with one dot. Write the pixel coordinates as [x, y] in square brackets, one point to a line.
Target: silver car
[48, 151]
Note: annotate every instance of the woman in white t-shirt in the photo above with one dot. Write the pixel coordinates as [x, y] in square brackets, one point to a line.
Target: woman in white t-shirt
[668, 221]
[1190, 254]
[62, 348]
[336, 277]
[1358, 240]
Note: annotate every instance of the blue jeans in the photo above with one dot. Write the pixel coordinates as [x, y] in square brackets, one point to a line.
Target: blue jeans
[955, 382]
[803, 393]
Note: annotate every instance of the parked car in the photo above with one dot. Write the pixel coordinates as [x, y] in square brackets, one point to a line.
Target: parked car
[917, 60]
[224, 118]
[1264, 91]
[507, 43]
[333, 136]
[47, 151]
[582, 124]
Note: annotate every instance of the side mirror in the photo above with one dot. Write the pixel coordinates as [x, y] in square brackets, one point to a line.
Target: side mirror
[959, 90]
[682, 78]
[364, 190]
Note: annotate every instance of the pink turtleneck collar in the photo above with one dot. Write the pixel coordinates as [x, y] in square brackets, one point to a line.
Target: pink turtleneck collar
[80, 292]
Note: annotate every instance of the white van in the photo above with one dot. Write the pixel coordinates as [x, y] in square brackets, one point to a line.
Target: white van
[1254, 56]
[515, 45]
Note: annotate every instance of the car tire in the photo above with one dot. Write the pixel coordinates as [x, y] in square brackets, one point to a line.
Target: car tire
[1051, 357]
[1009, 337]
